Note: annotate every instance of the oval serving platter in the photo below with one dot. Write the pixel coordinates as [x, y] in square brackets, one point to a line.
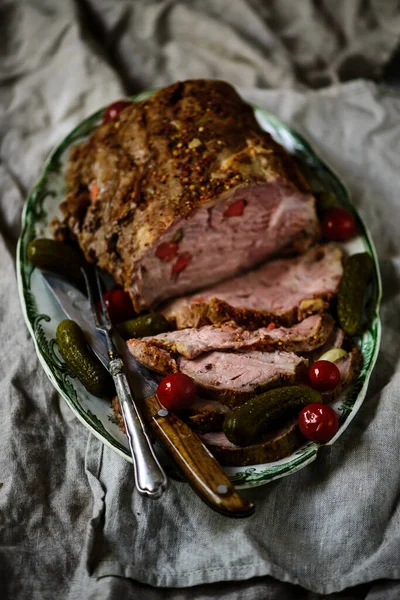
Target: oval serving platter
[42, 313]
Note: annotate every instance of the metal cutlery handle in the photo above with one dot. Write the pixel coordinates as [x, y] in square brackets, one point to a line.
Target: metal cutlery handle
[150, 478]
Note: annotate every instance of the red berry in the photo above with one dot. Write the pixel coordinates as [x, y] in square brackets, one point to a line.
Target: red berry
[114, 109]
[182, 262]
[318, 422]
[338, 225]
[167, 251]
[119, 305]
[235, 209]
[324, 375]
[176, 391]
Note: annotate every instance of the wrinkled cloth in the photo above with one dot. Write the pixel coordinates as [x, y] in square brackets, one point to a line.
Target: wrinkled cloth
[71, 524]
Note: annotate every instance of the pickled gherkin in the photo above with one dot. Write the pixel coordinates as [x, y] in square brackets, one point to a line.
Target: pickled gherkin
[58, 257]
[143, 326]
[325, 201]
[356, 275]
[247, 423]
[81, 360]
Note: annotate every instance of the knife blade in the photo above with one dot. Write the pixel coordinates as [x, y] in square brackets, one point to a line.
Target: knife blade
[76, 307]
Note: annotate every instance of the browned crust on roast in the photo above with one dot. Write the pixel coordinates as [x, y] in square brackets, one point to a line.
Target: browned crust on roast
[278, 444]
[206, 421]
[153, 357]
[115, 405]
[267, 344]
[218, 311]
[152, 174]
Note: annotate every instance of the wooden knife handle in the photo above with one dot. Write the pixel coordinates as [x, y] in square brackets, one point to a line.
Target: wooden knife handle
[202, 470]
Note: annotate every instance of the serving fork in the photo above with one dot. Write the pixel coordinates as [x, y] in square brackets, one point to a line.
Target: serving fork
[200, 468]
[150, 478]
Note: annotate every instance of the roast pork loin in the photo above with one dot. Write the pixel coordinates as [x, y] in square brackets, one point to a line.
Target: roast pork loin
[184, 190]
[230, 377]
[278, 442]
[283, 291]
[206, 417]
[305, 336]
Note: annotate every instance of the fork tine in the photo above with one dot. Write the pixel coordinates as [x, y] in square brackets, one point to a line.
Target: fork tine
[105, 314]
[90, 297]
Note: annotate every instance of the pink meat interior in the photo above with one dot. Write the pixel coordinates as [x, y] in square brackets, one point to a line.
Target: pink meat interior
[240, 371]
[245, 226]
[277, 286]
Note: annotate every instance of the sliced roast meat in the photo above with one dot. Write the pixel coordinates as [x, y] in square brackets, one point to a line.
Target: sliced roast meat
[283, 291]
[227, 376]
[277, 444]
[155, 358]
[183, 190]
[336, 339]
[302, 337]
[206, 415]
[282, 441]
[203, 416]
[234, 377]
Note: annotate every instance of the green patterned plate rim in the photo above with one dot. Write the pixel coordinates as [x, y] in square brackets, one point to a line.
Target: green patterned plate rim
[42, 313]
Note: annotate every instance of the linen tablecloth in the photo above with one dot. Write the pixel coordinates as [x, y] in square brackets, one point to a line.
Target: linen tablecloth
[71, 524]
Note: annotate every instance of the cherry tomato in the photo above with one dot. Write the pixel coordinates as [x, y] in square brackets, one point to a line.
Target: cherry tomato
[167, 251]
[119, 305]
[338, 225]
[318, 422]
[176, 391]
[114, 109]
[324, 376]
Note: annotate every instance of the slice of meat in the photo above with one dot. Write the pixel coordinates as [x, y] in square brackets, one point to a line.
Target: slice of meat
[183, 190]
[157, 359]
[206, 415]
[302, 337]
[277, 444]
[234, 377]
[336, 339]
[283, 291]
[227, 376]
